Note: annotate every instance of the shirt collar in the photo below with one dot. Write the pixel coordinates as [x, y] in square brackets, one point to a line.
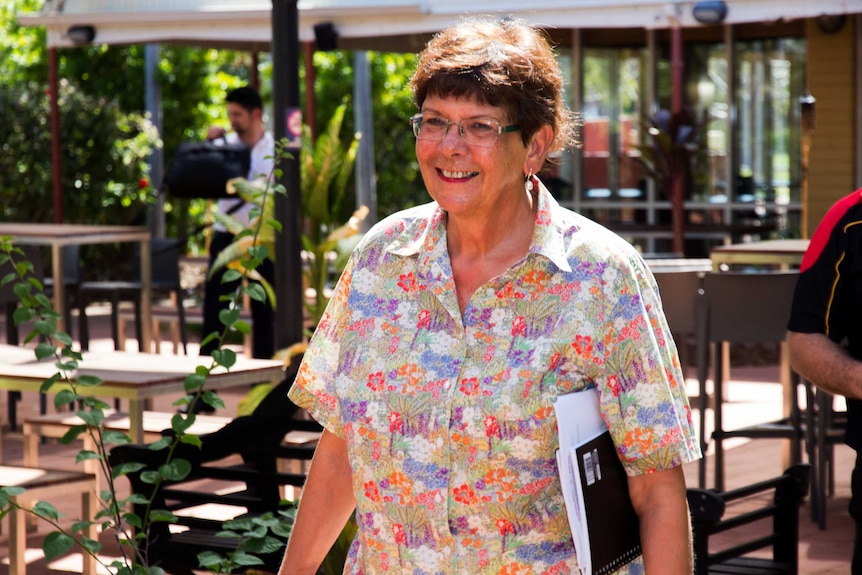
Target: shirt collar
[548, 236]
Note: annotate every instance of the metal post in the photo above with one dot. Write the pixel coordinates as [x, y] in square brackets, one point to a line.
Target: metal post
[366, 178]
[288, 209]
[677, 64]
[310, 96]
[153, 98]
[56, 156]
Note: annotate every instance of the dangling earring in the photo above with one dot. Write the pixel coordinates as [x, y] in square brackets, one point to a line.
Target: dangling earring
[528, 185]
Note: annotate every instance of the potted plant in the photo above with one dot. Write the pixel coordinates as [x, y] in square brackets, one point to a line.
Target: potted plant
[671, 156]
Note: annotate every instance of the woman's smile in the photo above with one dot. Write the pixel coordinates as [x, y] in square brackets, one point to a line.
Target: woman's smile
[455, 177]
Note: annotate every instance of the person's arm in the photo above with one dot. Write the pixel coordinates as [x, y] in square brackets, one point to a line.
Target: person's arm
[215, 133]
[325, 506]
[660, 501]
[825, 364]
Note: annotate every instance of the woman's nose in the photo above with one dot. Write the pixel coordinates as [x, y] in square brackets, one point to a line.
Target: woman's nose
[452, 138]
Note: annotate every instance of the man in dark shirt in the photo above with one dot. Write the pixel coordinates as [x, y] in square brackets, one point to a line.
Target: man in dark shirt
[826, 327]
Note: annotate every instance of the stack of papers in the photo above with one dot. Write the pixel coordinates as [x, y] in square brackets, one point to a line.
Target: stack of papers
[605, 527]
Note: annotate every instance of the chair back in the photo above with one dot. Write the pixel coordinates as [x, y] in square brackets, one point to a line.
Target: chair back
[743, 307]
[165, 254]
[740, 307]
[71, 265]
[678, 291]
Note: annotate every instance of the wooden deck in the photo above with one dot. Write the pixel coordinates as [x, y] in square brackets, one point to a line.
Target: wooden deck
[752, 395]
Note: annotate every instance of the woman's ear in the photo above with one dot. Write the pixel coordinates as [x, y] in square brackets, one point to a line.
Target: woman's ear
[539, 147]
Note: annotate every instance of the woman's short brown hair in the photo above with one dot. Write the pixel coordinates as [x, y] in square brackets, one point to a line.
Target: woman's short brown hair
[506, 63]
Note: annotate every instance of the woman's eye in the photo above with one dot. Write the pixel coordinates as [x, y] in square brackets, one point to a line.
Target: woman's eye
[482, 127]
[435, 123]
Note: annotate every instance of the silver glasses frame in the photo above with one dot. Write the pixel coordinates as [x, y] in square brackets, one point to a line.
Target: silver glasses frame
[417, 120]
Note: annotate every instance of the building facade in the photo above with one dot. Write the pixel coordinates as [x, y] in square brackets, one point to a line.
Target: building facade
[768, 94]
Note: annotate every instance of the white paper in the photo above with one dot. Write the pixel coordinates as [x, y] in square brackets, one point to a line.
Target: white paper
[578, 420]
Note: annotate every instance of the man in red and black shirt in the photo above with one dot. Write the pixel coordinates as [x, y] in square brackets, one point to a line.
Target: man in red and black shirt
[826, 327]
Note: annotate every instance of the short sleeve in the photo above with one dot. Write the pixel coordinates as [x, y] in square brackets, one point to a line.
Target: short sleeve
[824, 294]
[641, 384]
[314, 387]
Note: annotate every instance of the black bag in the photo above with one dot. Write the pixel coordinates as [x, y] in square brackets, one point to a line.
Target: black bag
[202, 169]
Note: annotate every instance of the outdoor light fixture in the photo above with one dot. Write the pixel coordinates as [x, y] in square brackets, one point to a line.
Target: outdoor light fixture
[709, 11]
[326, 36]
[830, 23]
[81, 35]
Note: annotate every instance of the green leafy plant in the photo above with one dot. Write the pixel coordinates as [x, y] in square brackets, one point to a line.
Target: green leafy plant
[255, 535]
[674, 153]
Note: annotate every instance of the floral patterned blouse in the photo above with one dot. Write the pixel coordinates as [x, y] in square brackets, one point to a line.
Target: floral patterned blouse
[448, 419]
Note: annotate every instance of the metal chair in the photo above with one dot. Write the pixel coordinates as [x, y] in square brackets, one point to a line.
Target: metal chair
[740, 307]
[165, 278]
[258, 439]
[825, 427]
[777, 499]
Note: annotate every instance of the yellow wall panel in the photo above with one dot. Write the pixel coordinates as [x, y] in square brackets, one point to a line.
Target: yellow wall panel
[831, 81]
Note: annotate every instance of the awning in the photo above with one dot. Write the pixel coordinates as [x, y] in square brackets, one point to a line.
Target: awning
[378, 24]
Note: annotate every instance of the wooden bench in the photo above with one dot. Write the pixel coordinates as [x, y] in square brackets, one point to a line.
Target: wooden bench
[774, 503]
[58, 424]
[44, 485]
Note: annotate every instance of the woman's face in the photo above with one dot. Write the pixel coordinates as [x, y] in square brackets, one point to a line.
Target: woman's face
[471, 180]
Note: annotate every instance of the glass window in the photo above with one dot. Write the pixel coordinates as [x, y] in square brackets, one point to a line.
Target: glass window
[706, 91]
[771, 80]
[611, 131]
[745, 177]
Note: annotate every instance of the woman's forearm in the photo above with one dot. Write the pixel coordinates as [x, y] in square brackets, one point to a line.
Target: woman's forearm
[665, 525]
[325, 506]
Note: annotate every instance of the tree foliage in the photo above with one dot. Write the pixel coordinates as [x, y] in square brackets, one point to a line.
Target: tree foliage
[399, 183]
[107, 135]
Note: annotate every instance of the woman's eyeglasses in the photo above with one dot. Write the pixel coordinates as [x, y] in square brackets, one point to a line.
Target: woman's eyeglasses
[475, 131]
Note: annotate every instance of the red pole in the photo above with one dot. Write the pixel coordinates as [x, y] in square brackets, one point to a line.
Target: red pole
[677, 64]
[56, 159]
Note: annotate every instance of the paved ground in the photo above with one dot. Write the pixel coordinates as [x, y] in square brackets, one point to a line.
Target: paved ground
[753, 396]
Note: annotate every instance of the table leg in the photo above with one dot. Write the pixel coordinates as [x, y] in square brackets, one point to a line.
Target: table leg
[89, 508]
[59, 288]
[31, 459]
[17, 541]
[136, 420]
[146, 296]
